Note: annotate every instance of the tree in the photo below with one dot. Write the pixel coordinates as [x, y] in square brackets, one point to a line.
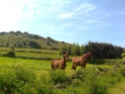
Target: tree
[104, 50]
[33, 44]
[11, 52]
[123, 54]
[75, 49]
[63, 49]
[82, 49]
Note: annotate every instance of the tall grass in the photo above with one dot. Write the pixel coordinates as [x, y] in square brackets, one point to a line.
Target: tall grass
[25, 76]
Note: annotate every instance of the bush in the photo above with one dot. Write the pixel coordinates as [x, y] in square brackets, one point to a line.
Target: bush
[17, 80]
[44, 85]
[59, 77]
[122, 71]
[92, 81]
[10, 54]
[35, 45]
[98, 85]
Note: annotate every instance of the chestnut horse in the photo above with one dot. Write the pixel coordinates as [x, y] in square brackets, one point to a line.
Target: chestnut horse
[59, 63]
[81, 61]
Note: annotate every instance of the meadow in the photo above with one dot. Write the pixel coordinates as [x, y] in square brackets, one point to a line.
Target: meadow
[34, 76]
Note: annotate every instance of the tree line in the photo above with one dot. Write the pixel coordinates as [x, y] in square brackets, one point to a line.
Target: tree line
[99, 50]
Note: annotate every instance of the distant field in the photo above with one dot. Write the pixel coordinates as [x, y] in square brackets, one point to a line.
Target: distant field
[32, 53]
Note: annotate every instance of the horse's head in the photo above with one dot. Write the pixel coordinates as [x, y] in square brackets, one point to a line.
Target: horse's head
[88, 55]
[66, 55]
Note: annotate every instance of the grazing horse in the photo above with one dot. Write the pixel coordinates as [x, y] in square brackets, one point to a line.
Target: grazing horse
[81, 61]
[59, 63]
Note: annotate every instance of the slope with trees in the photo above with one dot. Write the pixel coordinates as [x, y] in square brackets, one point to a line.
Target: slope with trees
[26, 40]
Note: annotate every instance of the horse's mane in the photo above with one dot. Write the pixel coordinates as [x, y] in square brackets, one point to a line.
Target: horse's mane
[87, 55]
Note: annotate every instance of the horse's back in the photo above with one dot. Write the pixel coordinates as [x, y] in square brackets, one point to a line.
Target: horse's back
[75, 59]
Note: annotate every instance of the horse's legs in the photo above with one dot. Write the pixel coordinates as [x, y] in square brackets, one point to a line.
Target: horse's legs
[53, 68]
[84, 65]
[74, 66]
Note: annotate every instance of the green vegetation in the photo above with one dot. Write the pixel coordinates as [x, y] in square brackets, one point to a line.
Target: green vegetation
[26, 76]
[41, 54]
[99, 50]
[25, 66]
[26, 40]
[123, 54]
[104, 50]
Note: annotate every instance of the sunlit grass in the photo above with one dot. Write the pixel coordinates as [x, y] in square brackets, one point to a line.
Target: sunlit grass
[43, 68]
[118, 88]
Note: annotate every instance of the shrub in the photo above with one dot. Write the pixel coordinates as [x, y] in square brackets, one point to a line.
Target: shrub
[44, 85]
[35, 45]
[10, 54]
[122, 71]
[59, 77]
[17, 80]
[98, 85]
[92, 82]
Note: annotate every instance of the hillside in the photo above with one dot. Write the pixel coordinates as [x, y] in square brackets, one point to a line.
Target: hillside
[26, 40]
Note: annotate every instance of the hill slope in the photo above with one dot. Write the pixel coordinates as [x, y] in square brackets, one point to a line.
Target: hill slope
[26, 40]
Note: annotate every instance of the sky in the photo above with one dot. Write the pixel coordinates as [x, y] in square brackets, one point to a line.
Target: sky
[73, 21]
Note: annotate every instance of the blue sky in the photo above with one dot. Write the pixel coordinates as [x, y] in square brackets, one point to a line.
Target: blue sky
[74, 21]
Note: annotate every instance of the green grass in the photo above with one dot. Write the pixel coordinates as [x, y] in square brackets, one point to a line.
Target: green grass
[32, 53]
[100, 78]
[119, 88]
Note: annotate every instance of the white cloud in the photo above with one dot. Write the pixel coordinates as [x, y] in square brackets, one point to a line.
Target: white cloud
[14, 11]
[65, 15]
[84, 9]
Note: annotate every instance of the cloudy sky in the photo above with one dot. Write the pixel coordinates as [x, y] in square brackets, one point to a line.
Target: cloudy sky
[74, 21]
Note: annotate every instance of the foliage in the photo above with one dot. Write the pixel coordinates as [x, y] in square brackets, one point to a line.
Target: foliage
[26, 40]
[33, 44]
[51, 40]
[25, 76]
[122, 71]
[59, 77]
[104, 50]
[63, 49]
[19, 79]
[39, 54]
[44, 85]
[123, 54]
[11, 52]
[73, 49]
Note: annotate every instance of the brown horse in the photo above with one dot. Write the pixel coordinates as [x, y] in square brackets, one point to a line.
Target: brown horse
[81, 61]
[59, 63]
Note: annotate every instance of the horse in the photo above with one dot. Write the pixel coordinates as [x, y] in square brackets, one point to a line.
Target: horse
[59, 63]
[81, 61]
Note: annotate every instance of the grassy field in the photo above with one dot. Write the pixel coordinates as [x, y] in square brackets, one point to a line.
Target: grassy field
[32, 53]
[30, 73]
[99, 79]
[118, 88]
